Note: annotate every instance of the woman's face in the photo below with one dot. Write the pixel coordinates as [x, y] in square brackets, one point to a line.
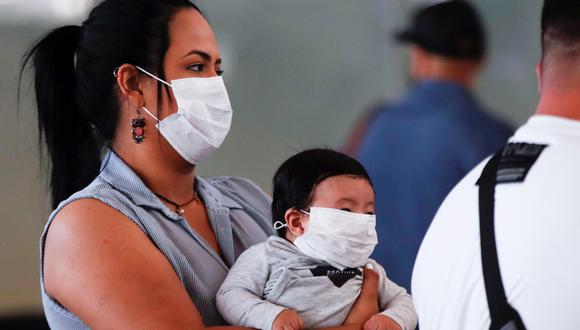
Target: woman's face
[192, 52]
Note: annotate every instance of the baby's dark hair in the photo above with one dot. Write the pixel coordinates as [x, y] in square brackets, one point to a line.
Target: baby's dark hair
[296, 179]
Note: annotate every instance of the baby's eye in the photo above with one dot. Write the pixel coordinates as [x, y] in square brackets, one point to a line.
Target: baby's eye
[196, 67]
[346, 209]
[219, 72]
[370, 213]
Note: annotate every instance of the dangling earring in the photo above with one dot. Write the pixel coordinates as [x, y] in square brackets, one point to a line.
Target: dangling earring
[138, 128]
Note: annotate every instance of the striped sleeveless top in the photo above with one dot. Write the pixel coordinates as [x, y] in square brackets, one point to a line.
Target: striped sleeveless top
[239, 213]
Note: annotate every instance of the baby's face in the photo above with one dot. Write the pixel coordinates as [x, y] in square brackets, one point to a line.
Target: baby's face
[343, 192]
[347, 193]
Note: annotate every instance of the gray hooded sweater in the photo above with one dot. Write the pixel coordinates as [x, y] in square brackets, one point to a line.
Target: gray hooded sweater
[275, 275]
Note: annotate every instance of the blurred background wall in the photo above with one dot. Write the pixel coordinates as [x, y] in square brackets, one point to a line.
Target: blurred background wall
[298, 72]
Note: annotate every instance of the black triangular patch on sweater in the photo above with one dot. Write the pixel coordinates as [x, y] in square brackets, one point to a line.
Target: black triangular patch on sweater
[336, 276]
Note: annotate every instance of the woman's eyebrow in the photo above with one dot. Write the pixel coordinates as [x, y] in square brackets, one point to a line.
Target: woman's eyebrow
[204, 55]
[201, 53]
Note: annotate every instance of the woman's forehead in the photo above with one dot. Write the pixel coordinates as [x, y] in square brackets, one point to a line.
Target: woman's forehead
[189, 31]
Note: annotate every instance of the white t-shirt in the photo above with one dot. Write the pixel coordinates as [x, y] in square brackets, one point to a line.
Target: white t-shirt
[537, 228]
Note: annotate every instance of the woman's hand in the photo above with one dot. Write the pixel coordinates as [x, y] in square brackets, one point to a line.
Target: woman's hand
[381, 322]
[288, 319]
[367, 303]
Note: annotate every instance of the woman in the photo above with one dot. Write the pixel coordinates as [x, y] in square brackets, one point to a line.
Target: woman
[141, 241]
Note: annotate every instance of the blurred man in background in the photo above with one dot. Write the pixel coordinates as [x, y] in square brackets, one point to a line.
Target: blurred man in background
[509, 231]
[417, 149]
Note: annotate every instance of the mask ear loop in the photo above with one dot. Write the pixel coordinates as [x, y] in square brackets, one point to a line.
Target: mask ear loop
[116, 71]
[149, 113]
[156, 78]
[153, 76]
[279, 225]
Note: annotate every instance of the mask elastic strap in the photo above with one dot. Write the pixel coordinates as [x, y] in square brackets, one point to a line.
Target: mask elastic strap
[149, 113]
[279, 225]
[153, 76]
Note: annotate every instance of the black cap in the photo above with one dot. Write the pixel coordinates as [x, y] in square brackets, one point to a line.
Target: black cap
[451, 29]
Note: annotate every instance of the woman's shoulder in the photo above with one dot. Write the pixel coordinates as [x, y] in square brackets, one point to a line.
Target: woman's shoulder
[82, 214]
[93, 211]
[89, 209]
[92, 252]
[237, 185]
[97, 197]
[241, 193]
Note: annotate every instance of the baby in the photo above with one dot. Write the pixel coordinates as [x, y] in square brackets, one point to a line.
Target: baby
[311, 275]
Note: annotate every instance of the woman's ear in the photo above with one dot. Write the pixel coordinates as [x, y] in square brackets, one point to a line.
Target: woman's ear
[128, 81]
[295, 220]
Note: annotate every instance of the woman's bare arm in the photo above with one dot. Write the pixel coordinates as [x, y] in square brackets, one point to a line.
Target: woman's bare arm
[102, 267]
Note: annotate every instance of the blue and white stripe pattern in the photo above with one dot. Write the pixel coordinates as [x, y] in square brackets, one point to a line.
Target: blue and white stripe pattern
[238, 210]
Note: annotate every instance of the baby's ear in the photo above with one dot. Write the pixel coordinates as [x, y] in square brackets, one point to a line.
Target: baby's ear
[295, 220]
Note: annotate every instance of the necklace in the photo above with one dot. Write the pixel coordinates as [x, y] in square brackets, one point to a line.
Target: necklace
[179, 207]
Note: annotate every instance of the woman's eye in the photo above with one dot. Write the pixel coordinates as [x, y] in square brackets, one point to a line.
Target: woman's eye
[370, 213]
[346, 209]
[196, 67]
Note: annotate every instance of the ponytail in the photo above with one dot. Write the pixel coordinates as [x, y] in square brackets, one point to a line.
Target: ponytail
[71, 143]
[76, 94]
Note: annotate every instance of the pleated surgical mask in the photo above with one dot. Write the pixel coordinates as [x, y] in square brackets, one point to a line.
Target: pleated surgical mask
[340, 238]
[203, 118]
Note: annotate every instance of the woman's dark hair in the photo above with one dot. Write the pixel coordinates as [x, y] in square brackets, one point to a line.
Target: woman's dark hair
[76, 93]
[296, 179]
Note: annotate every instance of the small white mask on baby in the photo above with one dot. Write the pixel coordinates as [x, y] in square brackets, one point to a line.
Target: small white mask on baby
[342, 239]
[202, 120]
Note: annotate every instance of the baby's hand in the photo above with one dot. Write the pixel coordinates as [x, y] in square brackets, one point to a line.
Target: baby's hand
[288, 319]
[381, 322]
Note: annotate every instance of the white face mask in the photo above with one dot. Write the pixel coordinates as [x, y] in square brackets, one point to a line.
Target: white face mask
[342, 239]
[202, 120]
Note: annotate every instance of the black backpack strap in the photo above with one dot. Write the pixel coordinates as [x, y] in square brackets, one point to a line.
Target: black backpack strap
[503, 316]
